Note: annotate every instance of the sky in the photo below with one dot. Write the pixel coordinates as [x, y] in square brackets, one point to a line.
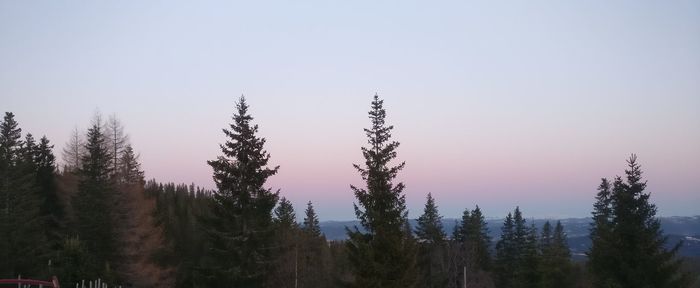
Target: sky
[495, 103]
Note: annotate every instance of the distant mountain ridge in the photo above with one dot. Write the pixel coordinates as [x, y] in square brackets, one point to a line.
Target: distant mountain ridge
[677, 228]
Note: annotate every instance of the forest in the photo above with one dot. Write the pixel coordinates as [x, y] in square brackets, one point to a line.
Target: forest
[94, 216]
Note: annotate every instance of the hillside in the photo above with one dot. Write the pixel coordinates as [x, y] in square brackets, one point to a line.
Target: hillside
[677, 228]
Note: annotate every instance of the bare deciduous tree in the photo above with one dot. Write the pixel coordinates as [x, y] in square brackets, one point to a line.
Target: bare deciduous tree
[73, 150]
[117, 141]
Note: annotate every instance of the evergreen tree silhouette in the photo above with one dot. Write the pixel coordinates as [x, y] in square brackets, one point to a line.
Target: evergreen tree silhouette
[129, 166]
[506, 258]
[384, 255]
[516, 263]
[285, 268]
[51, 209]
[555, 264]
[432, 246]
[429, 227]
[315, 267]
[92, 203]
[22, 245]
[240, 225]
[628, 243]
[311, 224]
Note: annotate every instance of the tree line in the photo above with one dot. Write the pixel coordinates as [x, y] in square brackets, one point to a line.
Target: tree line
[96, 217]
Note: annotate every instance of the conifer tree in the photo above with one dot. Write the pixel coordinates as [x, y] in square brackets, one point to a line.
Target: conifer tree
[601, 234]
[480, 240]
[74, 262]
[22, 245]
[472, 233]
[559, 242]
[311, 224]
[95, 162]
[285, 270]
[506, 258]
[130, 167]
[527, 272]
[546, 237]
[555, 263]
[462, 256]
[432, 248]
[384, 255]
[51, 209]
[602, 211]
[285, 217]
[29, 151]
[461, 230]
[314, 269]
[520, 230]
[176, 212]
[10, 141]
[239, 228]
[92, 203]
[516, 253]
[628, 244]
[429, 229]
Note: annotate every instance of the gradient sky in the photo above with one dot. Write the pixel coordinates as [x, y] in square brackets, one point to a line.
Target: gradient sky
[496, 103]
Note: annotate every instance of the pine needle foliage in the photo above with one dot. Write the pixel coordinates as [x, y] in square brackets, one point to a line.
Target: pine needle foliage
[240, 227]
[384, 255]
[628, 243]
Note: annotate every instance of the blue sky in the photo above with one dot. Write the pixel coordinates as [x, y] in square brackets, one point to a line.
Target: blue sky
[499, 104]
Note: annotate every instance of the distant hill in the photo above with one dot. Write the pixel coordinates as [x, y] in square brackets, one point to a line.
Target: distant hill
[677, 228]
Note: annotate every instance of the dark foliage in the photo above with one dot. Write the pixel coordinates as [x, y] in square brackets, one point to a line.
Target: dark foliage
[92, 204]
[432, 247]
[384, 255]
[23, 245]
[240, 227]
[628, 244]
[178, 210]
[100, 219]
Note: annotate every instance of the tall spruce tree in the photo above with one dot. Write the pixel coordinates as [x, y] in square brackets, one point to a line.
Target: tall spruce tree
[601, 235]
[520, 230]
[506, 258]
[460, 252]
[429, 229]
[546, 237]
[93, 202]
[480, 240]
[472, 233]
[239, 228]
[22, 245]
[285, 217]
[311, 223]
[527, 271]
[51, 209]
[628, 244]
[130, 167]
[29, 151]
[432, 258]
[555, 263]
[461, 228]
[517, 253]
[285, 270]
[314, 268]
[384, 255]
[559, 242]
